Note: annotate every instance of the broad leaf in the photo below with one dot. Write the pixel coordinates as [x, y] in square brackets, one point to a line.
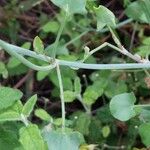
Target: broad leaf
[31, 139]
[8, 139]
[42, 114]
[122, 106]
[63, 141]
[9, 96]
[139, 10]
[38, 45]
[144, 133]
[104, 17]
[71, 6]
[28, 107]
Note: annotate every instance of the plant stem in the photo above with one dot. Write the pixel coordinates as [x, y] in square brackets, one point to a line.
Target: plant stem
[61, 96]
[87, 109]
[76, 38]
[101, 31]
[10, 48]
[24, 120]
[58, 36]
[142, 105]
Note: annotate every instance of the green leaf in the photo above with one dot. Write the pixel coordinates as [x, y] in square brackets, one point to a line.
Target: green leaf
[82, 123]
[13, 62]
[9, 116]
[139, 10]
[144, 133]
[38, 45]
[72, 7]
[106, 131]
[77, 85]
[9, 96]
[51, 26]
[63, 141]
[3, 70]
[122, 106]
[28, 107]
[26, 45]
[41, 75]
[31, 139]
[69, 96]
[90, 96]
[42, 114]
[104, 17]
[120, 87]
[8, 139]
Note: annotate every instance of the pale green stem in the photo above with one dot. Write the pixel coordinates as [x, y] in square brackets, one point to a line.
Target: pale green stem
[87, 109]
[22, 51]
[142, 105]
[58, 36]
[61, 96]
[24, 120]
[101, 31]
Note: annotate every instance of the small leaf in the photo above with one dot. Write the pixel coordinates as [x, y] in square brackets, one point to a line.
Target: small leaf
[77, 85]
[9, 96]
[72, 7]
[9, 116]
[104, 17]
[3, 70]
[31, 139]
[122, 106]
[38, 45]
[42, 114]
[90, 96]
[63, 141]
[26, 45]
[69, 96]
[28, 107]
[106, 131]
[144, 133]
[51, 26]
[41, 75]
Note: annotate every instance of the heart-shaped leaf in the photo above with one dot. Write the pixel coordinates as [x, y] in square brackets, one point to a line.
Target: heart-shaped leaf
[63, 141]
[104, 17]
[122, 106]
[139, 10]
[71, 6]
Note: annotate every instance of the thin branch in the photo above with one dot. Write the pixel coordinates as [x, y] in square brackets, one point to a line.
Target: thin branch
[61, 96]
[22, 51]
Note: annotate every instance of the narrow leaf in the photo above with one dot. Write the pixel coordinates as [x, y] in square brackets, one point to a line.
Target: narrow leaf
[28, 107]
[38, 45]
[42, 114]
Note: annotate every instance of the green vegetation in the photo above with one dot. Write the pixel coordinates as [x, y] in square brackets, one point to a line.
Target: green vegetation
[85, 85]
